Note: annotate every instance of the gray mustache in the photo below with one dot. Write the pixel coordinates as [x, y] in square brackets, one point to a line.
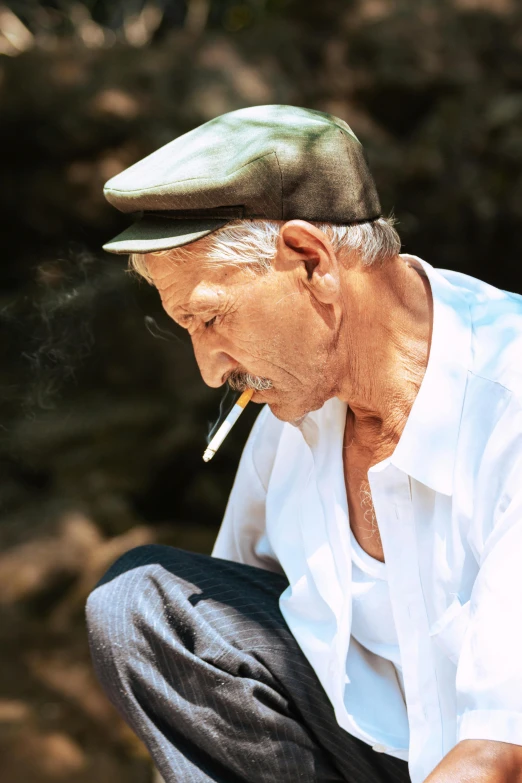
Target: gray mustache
[240, 381]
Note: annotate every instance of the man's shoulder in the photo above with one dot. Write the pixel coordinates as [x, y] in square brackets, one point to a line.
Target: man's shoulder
[496, 331]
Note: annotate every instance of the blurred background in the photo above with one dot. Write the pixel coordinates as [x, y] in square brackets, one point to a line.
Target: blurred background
[103, 417]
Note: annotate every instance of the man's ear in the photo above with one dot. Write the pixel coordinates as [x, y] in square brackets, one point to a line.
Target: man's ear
[306, 250]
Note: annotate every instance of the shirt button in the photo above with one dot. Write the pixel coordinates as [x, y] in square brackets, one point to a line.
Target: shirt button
[379, 748]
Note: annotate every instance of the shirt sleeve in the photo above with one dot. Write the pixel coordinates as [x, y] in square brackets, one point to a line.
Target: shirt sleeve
[242, 536]
[489, 672]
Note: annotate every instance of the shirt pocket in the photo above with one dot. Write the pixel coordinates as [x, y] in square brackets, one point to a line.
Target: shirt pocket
[448, 631]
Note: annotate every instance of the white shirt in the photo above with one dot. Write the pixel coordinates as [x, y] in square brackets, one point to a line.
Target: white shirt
[372, 616]
[448, 503]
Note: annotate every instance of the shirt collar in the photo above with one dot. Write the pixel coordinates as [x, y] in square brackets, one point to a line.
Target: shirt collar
[427, 447]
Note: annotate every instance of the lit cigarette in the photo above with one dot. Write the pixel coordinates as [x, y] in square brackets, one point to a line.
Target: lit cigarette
[227, 425]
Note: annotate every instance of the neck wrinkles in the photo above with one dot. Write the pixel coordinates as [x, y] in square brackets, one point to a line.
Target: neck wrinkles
[387, 357]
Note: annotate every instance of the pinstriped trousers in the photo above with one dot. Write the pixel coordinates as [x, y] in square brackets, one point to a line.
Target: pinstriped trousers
[195, 654]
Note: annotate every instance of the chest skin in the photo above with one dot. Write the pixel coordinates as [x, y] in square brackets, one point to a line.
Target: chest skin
[361, 513]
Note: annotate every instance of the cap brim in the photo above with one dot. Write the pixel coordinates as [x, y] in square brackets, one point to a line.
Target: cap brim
[157, 233]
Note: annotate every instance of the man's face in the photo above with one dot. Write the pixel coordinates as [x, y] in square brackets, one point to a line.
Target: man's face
[265, 324]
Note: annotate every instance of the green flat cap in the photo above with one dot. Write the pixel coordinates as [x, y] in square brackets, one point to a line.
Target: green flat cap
[273, 162]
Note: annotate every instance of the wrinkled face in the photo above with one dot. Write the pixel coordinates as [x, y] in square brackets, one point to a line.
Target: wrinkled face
[264, 324]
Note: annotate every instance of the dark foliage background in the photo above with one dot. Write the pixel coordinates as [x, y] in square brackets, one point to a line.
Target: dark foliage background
[103, 416]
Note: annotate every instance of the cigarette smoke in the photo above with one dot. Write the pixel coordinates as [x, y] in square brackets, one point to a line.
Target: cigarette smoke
[160, 333]
[49, 335]
[225, 406]
[47, 332]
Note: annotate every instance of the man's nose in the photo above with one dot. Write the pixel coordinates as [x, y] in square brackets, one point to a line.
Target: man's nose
[214, 364]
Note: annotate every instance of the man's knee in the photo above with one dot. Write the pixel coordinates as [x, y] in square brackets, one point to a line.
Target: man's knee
[121, 599]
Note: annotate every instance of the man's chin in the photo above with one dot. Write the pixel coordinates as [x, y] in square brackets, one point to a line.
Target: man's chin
[286, 413]
[261, 397]
[285, 407]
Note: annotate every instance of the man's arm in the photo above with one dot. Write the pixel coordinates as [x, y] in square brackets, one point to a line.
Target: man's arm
[480, 761]
[489, 671]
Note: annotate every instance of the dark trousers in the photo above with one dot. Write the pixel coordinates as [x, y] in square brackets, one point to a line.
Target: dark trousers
[195, 654]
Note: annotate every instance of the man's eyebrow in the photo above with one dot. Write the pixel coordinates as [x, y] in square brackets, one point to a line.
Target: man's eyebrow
[185, 316]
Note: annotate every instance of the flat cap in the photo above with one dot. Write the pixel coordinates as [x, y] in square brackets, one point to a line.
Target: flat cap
[273, 162]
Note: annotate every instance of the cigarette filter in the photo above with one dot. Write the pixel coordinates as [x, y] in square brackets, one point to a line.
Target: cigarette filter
[227, 425]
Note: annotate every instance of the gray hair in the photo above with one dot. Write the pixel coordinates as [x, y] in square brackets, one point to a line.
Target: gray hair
[254, 243]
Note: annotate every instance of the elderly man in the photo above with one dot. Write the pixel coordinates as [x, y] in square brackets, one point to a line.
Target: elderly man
[363, 606]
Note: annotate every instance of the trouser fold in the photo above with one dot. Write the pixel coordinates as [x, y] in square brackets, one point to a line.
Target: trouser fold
[195, 654]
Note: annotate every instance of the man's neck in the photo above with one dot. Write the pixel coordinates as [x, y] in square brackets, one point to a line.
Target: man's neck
[387, 356]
